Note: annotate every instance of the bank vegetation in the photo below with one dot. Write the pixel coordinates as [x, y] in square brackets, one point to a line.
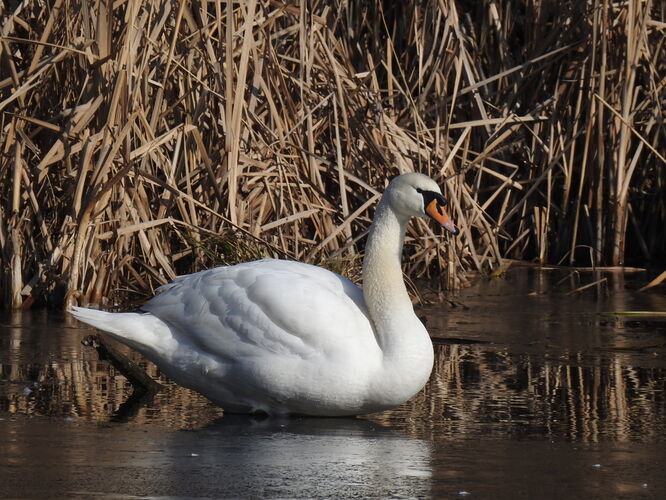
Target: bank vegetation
[140, 140]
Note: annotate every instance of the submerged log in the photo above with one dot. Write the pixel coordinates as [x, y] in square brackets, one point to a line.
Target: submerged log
[140, 380]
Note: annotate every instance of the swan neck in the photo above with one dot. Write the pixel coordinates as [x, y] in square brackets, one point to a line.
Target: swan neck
[407, 353]
[383, 285]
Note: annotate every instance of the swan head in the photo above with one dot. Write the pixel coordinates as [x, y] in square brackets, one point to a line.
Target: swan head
[418, 195]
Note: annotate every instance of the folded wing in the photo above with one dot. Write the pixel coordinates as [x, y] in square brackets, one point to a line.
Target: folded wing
[266, 307]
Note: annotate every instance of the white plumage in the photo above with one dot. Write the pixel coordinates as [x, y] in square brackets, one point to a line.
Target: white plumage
[285, 337]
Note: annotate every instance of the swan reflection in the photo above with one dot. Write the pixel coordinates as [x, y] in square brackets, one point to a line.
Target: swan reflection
[305, 457]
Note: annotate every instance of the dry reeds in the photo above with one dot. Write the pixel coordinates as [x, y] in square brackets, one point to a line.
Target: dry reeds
[145, 139]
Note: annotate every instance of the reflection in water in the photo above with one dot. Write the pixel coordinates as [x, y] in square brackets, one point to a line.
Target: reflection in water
[480, 391]
[232, 457]
[47, 372]
[526, 379]
[307, 458]
[554, 367]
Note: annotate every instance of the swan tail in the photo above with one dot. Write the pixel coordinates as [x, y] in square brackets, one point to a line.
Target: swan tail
[142, 331]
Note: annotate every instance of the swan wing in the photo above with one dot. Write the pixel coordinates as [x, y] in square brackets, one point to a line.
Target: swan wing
[266, 307]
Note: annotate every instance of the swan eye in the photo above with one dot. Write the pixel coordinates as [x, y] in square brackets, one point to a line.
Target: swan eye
[429, 196]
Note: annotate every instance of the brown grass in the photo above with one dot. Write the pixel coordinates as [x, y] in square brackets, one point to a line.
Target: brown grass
[145, 139]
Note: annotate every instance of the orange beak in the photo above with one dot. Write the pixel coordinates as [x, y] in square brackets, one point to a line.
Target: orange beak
[437, 212]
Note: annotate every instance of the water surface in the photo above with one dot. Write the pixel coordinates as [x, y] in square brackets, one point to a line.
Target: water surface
[534, 394]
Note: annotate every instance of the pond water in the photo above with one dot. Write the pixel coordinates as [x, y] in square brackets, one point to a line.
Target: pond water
[535, 393]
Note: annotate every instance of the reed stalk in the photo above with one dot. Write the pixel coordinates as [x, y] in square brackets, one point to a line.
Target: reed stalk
[143, 139]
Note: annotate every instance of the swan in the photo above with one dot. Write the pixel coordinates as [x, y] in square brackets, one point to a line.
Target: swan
[283, 337]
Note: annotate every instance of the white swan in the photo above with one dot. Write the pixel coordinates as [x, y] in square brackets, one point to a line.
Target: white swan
[285, 337]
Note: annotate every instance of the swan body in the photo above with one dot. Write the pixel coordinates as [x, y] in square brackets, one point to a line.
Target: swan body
[285, 337]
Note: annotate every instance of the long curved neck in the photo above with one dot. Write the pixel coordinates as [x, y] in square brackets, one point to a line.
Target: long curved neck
[383, 286]
[406, 348]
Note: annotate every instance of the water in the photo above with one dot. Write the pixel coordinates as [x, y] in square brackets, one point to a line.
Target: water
[535, 394]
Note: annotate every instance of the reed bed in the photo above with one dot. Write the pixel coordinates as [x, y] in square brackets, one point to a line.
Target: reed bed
[145, 139]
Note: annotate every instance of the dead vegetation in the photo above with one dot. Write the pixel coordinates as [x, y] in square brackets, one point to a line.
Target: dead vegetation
[145, 139]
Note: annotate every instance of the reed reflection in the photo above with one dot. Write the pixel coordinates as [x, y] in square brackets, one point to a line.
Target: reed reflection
[481, 391]
[474, 390]
[520, 356]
